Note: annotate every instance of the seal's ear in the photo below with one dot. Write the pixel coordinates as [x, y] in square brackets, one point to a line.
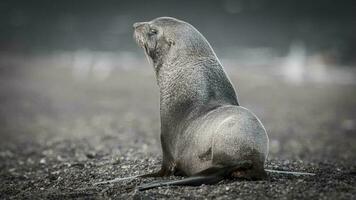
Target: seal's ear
[170, 42]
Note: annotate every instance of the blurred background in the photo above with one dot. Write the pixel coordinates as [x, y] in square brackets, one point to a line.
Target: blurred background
[71, 70]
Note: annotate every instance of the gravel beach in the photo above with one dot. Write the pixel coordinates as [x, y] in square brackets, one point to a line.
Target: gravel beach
[60, 135]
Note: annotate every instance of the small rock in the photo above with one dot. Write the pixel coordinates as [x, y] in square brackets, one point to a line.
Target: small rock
[60, 158]
[43, 161]
[91, 155]
[12, 170]
[78, 165]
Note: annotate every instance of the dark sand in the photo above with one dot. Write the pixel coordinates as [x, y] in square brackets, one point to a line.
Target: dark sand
[60, 135]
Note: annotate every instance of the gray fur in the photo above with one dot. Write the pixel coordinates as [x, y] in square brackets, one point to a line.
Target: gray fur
[202, 124]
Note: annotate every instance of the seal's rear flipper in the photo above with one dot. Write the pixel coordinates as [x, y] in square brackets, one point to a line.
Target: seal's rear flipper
[155, 174]
[116, 180]
[190, 181]
[209, 176]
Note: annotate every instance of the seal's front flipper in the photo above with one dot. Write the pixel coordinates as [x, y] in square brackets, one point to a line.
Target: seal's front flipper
[190, 181]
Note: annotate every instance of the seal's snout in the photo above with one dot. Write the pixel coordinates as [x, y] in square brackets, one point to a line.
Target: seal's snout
[139, 31]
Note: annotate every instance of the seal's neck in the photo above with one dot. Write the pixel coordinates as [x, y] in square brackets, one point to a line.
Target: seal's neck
[180, 55]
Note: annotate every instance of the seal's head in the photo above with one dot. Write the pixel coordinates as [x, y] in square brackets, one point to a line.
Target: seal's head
[165, 39]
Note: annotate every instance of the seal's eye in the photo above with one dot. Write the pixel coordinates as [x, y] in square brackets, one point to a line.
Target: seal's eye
[152, 31]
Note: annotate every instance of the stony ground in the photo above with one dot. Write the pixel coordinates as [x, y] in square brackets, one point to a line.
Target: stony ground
[59, 135]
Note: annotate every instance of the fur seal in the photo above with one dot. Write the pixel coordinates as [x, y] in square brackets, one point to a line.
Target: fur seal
[205, 134]
[204, 131]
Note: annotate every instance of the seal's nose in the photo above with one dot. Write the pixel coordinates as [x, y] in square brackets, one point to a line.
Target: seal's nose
[138, 24]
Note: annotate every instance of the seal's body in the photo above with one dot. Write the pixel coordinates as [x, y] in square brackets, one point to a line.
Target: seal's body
[204, 132]
[227, 136]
